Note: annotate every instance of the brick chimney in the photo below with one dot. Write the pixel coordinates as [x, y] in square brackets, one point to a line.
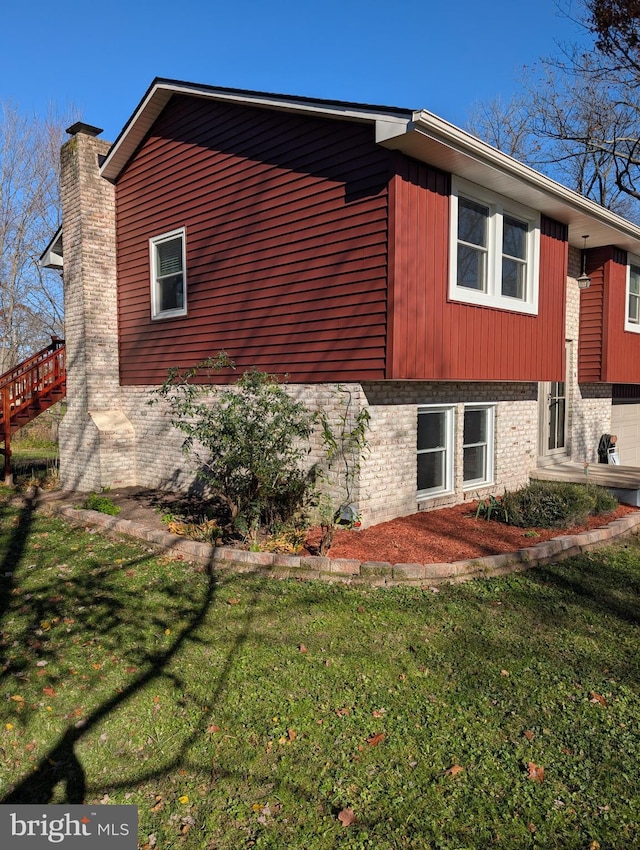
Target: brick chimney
[96, 438]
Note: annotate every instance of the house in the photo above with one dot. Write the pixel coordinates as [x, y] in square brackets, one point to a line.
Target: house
[374, 251]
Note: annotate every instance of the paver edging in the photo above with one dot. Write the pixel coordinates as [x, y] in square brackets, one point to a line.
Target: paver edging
[352, 571]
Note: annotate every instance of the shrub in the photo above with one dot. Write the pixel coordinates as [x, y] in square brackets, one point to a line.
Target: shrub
[250, 440]
[103, 504]
[548, 504]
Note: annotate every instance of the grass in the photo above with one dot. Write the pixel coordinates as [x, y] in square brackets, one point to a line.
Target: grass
[237, 712]
[35, 462]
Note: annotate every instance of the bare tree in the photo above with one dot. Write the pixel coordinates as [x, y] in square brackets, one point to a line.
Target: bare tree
[556, 123]
[30, 297]
[577, 115]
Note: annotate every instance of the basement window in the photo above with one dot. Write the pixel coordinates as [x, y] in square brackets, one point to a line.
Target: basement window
[168, 274]
[477, 449]
[435, 451]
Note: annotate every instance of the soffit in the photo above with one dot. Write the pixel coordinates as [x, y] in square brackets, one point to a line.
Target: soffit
[444, 146]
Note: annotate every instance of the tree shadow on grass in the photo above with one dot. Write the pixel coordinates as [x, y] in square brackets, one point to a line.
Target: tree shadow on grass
[60, 763]
[17, 540]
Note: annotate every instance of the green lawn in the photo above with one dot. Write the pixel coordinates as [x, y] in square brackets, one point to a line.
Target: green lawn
[238, 712]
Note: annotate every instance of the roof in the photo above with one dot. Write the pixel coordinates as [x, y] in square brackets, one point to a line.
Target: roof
[417, 133]
[51, 257]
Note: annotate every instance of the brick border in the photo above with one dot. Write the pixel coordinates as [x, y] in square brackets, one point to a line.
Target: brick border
[374, 573]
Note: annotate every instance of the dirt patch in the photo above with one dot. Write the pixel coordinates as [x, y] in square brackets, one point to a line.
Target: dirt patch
[441, 536]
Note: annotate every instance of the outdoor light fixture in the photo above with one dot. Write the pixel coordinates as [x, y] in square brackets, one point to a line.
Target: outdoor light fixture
[584, 281]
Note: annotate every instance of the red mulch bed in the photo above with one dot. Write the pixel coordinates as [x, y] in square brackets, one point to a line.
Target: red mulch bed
[443, 536]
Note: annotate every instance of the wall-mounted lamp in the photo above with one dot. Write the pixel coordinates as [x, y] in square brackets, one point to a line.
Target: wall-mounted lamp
[584, 281]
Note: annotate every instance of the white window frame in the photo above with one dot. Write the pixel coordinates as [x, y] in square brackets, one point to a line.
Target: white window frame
[629, 324]
[448, 448]
[156, 312]
[490, 413]
[499, 207]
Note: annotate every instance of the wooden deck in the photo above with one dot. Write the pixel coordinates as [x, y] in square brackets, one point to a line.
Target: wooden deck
[623, 481]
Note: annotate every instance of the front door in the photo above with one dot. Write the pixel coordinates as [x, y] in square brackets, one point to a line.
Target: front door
[553, 421]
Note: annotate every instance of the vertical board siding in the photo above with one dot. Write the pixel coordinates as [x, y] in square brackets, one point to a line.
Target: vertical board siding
[432, 338]
[286, 222]
[606, 351]
[621, 352]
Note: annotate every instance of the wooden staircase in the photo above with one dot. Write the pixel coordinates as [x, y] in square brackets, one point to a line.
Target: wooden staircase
[28, 390]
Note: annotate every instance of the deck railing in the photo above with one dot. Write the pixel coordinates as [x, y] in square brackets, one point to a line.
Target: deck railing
[28, 389]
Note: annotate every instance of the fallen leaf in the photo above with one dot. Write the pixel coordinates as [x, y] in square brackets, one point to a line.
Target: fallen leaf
[374, 740]
[49, 691]
[347, 817]
[536, 773]
[292, 734]
[529, 734]
[184, 799]
[213, 729]
[504, 673]
[342, 712]
[233, 601]
[454, 770]
[158, 805]
[17, 698]
[597, 698]
[378, 712]
[303, 648]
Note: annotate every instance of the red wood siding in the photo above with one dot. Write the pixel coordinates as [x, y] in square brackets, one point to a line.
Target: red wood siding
[592, 310]
[432, 338]
[286, 221]
[606, 351]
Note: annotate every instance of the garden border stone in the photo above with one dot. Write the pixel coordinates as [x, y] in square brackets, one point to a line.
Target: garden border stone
[348, 570]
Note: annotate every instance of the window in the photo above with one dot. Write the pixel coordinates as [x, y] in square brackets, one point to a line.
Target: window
[435, 450]
[632, 319]
[477, 447]
[168, 275]
[494, 250]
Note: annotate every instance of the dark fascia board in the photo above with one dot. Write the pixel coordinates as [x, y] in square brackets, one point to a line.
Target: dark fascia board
[390, 119]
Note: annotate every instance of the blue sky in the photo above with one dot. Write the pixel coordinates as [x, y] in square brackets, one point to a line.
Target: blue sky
[437, 55]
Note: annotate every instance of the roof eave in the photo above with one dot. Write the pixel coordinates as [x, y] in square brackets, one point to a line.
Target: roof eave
[436, 141]
[52, 257]
[392, 120]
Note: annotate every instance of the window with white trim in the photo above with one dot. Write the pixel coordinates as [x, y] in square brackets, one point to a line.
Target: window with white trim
[168, 274]
[494, 253]
[632, 317]
[435, 450]
[477, 448]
